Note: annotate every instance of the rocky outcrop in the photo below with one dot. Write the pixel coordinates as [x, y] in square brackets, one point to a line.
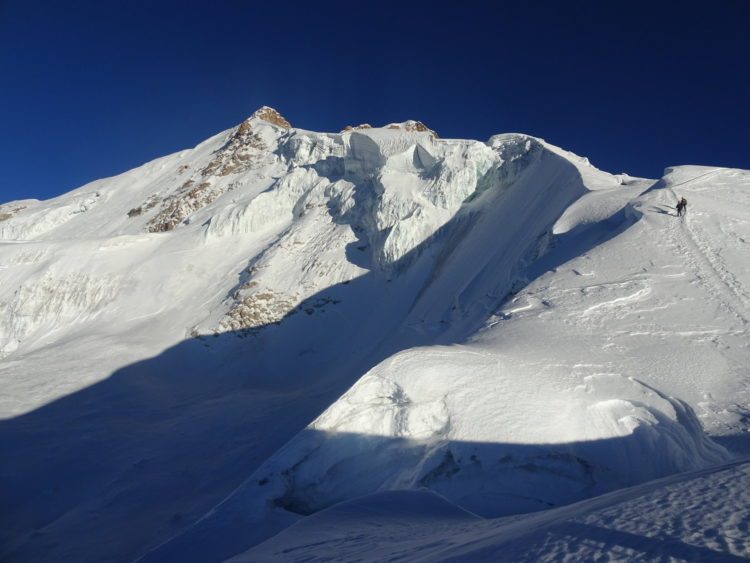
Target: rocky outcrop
[271, 116]
[255, 310]
[412, 126]
[8, 212]
[356, 127]
[245, 150]
[180, 206]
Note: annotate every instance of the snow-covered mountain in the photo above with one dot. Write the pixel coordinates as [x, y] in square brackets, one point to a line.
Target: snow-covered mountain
[200, 352]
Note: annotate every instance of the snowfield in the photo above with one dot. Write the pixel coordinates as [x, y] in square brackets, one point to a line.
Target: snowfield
[376, 344]
[701, 516]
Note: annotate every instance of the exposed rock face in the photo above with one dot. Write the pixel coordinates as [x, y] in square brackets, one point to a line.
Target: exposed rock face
[271, 116]
[239, 154]
[254, 309]
[356, 127]
[244, 151]
[410, 125]
[260, 308]
[413, 126]
[8, 212]
[180, 206]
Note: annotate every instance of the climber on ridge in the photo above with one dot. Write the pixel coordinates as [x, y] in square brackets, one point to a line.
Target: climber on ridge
[682, 207]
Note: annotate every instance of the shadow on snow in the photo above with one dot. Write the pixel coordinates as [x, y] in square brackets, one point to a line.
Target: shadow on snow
[114, 469]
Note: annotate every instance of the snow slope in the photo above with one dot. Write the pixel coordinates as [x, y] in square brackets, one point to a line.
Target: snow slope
[201, 351]
[699, 516]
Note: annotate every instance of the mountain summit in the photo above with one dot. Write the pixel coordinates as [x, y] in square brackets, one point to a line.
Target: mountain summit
[271, 116]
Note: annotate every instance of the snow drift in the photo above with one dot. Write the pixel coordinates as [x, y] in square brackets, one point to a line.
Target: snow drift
[424, 419]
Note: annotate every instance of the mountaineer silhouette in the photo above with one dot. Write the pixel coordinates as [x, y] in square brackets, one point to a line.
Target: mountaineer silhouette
[681, 207]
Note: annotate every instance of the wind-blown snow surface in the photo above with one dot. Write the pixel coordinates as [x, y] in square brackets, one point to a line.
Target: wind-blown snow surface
[700, 516]
[284, 320]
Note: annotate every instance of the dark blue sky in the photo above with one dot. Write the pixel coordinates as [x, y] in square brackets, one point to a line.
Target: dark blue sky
[91, 89]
